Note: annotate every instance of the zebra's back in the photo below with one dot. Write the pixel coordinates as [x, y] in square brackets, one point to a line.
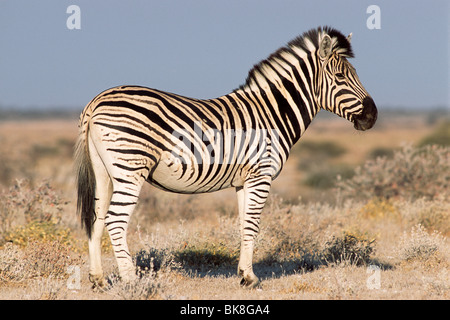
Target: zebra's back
[178, 143]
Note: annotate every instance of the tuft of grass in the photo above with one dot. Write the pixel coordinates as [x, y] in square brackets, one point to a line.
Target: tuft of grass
[155, 269]
[419, 245]
[155, 260]
[353, 248]
[146, 287]
[303, 286]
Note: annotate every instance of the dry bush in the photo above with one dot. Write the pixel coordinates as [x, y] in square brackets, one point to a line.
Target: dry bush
[147, 286]
[24, 203]
[35, 243]
[431, 214]
[350, 248]
[155, 269]
[38, 259]
[34, 214]
[309, 236]
[144, 288]
[50, 259]
[151, 261]
[48, 288]
[420, 245]
[289, 233]
[12, 264]
[410, 174]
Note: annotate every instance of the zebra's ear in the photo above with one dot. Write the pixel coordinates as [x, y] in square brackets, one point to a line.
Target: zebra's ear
[325, 47]
[349, 37]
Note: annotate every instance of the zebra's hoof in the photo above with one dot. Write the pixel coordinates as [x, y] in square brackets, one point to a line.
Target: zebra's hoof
[98, 282]
[250, 282]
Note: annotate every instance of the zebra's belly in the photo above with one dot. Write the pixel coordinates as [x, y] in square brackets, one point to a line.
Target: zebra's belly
[187, 176]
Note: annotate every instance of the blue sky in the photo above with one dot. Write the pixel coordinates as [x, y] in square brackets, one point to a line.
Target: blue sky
[205, 48]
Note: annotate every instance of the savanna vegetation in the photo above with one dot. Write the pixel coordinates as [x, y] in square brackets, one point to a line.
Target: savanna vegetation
[352, 216]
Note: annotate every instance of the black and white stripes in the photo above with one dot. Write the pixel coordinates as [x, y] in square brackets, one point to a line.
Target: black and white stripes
[132, 134]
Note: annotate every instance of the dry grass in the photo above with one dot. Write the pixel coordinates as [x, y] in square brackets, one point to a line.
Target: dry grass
[319, 246]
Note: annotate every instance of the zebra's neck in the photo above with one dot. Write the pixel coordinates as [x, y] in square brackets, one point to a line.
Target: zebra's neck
[280, 90]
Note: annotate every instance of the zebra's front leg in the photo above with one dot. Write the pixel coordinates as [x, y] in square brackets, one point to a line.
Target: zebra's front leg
[251, 199]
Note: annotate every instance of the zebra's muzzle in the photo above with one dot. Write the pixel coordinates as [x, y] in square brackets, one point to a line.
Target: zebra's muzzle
[368, 117]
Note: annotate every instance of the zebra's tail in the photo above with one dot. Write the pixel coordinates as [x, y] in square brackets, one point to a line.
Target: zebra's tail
[85, 177]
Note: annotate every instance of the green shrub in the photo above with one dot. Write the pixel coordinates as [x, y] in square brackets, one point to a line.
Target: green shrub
[440, 136]
[325, 177]
[312, 152]
[381, 152]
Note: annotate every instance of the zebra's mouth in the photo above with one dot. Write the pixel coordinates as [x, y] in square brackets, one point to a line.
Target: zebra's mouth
[368, 117]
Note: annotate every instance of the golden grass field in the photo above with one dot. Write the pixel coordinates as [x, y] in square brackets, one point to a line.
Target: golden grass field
[316, 242]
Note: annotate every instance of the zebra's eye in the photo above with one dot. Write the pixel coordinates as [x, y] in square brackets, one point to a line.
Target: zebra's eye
[340, 75]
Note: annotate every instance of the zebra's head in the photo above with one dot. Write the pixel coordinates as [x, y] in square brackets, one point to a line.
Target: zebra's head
[338, 88]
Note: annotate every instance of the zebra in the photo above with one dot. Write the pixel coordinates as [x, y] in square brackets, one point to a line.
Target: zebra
[132, 134]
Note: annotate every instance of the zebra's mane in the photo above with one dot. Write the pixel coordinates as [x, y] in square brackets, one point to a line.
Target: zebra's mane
[308, 42]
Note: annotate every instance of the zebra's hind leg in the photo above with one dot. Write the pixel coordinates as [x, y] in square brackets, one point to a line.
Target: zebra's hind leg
[103, 192]
[127, 171]
[123, 202]
[251, 199]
